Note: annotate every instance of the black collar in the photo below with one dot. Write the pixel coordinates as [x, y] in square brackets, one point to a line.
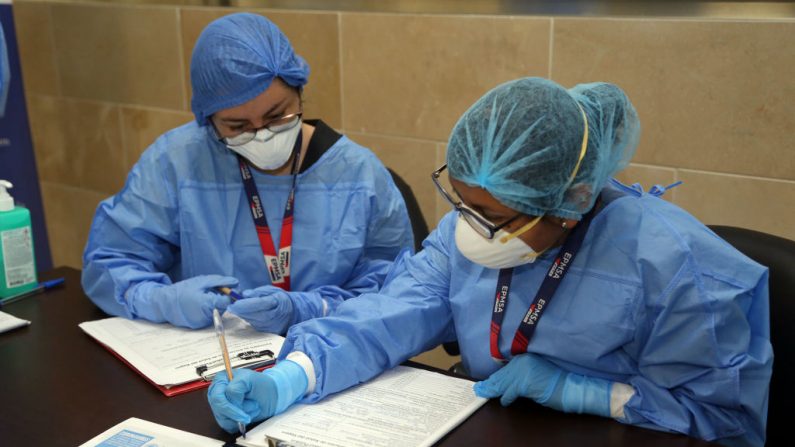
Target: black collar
[322, 139]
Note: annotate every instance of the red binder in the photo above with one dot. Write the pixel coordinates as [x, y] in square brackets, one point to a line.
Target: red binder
[182, 388]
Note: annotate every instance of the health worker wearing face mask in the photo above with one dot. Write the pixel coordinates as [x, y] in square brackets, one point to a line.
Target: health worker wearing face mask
[249, 196]
[559, 284]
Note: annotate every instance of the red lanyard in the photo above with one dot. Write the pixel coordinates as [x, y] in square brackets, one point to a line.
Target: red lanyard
[278, 263]
[543, 297]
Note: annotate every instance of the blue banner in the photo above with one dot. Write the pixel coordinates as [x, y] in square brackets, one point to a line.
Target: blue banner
[17, 160]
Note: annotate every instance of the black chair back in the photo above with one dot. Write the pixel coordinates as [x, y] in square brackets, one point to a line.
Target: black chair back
[418, 225]
[778, 255]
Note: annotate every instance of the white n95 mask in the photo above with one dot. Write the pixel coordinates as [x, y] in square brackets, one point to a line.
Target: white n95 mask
[504, 250]
[269, 150]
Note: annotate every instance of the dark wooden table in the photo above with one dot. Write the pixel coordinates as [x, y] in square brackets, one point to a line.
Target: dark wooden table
[59, 387]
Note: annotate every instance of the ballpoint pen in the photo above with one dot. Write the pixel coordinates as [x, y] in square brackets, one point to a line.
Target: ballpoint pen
[219, 331]
[41, 287]
[233, 296]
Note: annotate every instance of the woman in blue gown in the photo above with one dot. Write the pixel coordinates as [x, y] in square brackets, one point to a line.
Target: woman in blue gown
[247, 196]
[560, 284]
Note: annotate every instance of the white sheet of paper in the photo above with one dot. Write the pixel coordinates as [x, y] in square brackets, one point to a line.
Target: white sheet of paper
[136, 432]
[8, 322]
[169, 355]
[404, 407]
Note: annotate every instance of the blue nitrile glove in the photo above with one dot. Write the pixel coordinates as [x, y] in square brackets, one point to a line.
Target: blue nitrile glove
[267, 308]
[188, 303]
[529, 375]
[253, 396]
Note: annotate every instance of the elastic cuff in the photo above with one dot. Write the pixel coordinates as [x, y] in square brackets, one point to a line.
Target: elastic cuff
[141, 304]
[620, 394]
[306, 306]
[290, 381]
[309, 369]
[583, 394]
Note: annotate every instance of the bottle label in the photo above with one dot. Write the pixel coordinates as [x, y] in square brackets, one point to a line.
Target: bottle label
[18, 261]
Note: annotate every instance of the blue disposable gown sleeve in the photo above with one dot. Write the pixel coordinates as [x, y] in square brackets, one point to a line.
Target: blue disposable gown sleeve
[374, 332]
[134, 236]
[706, 360]
[388, 233]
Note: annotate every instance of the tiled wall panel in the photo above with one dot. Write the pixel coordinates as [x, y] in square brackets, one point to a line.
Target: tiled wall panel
[761, 204]
[711, 95]
[78, 143]
[140, 128]
[35, 41]
[121, 54]
[414, 75]
[69, 212]
[714, 96]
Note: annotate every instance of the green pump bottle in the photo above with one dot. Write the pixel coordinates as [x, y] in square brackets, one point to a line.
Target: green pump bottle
[17, 260]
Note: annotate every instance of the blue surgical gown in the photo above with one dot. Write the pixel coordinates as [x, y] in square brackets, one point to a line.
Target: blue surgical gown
[654, 299]
[183, 212]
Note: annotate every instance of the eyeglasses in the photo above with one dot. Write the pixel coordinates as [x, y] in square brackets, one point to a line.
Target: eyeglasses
[483, 226]
[280, 124]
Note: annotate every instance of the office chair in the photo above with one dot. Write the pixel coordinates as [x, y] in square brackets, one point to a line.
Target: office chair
[418, 225]
[778, 255]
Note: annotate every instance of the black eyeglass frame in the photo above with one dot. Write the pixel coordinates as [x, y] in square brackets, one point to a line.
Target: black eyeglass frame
[483, 226]
[253, 132]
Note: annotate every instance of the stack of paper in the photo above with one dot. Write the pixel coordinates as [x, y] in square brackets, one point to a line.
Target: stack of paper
[404, 407]
[8, 322]
[136, 432]
[170, 356]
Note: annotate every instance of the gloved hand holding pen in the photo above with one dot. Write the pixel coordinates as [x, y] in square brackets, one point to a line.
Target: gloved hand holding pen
[253, 396]
[188, 303]
[271, 309]
[267, 308]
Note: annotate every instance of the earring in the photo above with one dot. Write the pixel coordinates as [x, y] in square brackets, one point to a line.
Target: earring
[564, 225]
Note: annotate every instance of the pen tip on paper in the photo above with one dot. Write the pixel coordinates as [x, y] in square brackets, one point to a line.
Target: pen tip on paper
[242, 427]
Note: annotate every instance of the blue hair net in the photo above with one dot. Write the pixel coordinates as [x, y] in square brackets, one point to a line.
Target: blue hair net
[236, 58]
[522, 142]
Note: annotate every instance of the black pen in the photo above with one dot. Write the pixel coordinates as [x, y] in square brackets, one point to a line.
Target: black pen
[46, 285]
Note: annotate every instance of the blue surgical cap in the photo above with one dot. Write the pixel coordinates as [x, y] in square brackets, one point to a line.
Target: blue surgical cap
[235, 59]
[522, 143]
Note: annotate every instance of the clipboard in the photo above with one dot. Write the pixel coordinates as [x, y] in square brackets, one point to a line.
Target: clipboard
[178, 360]
[204, 380]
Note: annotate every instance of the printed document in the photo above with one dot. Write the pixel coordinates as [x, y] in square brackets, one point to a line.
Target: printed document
[406, 407]
[136, 432]
[8, 322]
[170, 355]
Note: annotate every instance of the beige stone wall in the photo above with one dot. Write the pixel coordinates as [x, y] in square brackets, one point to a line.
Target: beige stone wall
[715, 96]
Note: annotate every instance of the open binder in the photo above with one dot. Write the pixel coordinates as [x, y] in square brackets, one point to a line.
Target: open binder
[178, 360]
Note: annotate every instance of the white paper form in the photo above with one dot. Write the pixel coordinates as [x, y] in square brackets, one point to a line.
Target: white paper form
[136, 432]
[8, 322]
[169, 355]
[403, 407]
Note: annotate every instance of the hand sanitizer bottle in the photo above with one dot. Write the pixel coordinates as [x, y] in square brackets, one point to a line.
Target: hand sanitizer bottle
[17, 261]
